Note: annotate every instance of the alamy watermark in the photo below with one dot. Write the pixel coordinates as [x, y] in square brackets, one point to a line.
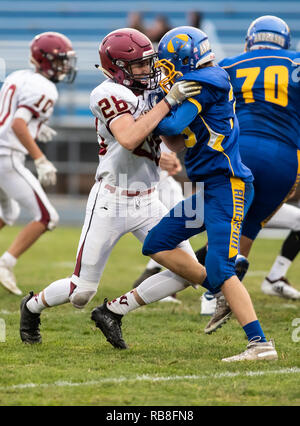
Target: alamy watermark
[296, 331]
[2, 331]
[140, 200]
[296, 72]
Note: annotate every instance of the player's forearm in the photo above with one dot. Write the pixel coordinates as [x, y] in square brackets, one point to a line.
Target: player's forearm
[20, 129]
[134, 135]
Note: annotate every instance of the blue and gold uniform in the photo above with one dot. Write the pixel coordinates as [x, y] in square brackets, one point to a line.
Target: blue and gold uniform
[210, 128]
[266, 86]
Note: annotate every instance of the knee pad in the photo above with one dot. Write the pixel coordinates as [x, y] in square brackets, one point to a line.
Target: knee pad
[81, 297]
[9, 211]
[47, 215]
[82, 292]
[53, 222]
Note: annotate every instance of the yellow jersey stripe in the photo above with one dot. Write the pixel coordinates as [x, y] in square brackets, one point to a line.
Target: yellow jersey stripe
[238, 198]
[196, 103]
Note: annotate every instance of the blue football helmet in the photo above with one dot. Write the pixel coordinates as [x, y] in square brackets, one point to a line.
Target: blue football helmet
[186, 47]
[182, 50]
[268, 32]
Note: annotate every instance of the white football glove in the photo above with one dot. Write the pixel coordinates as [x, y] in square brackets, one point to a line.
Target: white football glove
[46, 134]
[46, 171]
[182, 90]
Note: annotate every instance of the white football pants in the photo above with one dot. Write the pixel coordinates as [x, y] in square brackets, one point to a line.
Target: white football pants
[19, 187]
[287, 217]
[108, 217]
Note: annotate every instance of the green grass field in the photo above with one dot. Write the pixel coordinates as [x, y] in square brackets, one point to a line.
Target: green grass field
[171, 362]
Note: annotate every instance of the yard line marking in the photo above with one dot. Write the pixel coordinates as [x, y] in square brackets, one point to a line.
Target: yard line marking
[226, 374]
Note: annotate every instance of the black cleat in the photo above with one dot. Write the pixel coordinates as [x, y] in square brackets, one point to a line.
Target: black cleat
[146, 274]
[110, 325]
[29, 323]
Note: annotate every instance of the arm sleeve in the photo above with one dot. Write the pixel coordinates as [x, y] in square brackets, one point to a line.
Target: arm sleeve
[179, 118]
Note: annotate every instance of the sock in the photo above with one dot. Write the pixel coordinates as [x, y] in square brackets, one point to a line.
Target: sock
[160, 285]
[201, 254]
[9, 259]
[253, 330]
[291, 245]
[153, 264]
[124, 304]
[279, 268]
[55, 294]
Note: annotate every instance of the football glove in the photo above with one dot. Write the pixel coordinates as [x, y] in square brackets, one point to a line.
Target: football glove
[182, 90]
[46, 134]
[46, 171]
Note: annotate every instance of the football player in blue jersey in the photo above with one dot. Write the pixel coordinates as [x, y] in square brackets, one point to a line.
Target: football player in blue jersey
[265, 80]
[207, 125]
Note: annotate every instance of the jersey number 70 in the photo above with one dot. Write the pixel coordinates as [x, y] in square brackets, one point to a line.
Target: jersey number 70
[276, 80]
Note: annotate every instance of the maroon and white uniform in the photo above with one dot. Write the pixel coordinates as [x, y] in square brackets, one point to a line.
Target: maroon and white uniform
[108, 102]
[31, 96]
[125, 197]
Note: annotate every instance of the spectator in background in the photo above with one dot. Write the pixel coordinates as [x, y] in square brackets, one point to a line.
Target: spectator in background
[155, 32]
[196, 19]
[159, 28]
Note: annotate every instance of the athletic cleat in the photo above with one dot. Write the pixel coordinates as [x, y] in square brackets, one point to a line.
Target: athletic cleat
[208, 303]
[8, 279]
[29, 323]
[241, 266]
[256, 351]
[110, 325]
[223, 311]
[171, 299]
[146, 274]
[221, 315]
[280, 288]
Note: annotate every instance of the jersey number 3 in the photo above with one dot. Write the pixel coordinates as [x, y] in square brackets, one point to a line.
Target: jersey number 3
[276, 80]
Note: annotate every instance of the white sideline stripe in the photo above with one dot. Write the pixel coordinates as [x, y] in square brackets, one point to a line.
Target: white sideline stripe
[146, 378]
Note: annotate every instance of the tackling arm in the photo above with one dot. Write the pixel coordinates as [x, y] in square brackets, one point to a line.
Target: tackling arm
[130, 133]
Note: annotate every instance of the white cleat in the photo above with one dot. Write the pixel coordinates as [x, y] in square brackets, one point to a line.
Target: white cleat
[280, 288]
[208, 304]
[8, 279]
[256, 351]
[170, 299]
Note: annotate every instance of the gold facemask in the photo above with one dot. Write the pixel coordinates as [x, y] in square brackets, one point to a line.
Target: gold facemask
[168, 69]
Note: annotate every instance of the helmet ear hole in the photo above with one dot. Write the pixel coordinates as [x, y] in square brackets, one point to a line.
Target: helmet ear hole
[185, 61]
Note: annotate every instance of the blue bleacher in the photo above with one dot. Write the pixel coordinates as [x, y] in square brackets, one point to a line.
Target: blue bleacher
[86, 23]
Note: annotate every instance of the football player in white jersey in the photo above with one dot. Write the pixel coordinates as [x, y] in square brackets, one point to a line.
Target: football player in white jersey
[170, 193]
[27, 99]
[124, 197]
